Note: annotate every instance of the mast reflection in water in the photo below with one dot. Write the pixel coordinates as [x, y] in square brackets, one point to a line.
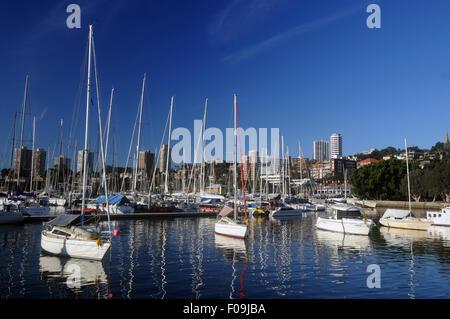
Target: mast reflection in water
[182, 258]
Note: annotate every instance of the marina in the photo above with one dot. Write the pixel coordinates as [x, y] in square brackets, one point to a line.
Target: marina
[171, 258]
[295, 181]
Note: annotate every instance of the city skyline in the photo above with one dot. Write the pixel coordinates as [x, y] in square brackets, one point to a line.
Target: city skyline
[309, 69]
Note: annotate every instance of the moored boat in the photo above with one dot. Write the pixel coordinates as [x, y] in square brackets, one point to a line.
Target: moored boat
[345, 219]
[405, 219]
[63, 236]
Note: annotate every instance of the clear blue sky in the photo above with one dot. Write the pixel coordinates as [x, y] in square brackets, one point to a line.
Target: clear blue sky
[310, 68]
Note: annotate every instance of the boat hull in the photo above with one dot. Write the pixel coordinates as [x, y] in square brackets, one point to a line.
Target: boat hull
[345, 225]
[85, 249]
[405, 224]
[285, 213]
[35, 211]
[231, 230]
[10, 218]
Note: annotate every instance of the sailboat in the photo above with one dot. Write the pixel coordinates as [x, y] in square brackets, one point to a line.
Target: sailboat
[225, 225]
[402, 218]
[66, 234]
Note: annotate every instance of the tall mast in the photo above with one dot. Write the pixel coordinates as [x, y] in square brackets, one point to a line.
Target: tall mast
[32, 155]
[24, 108]
[407, 172]
[234, 159]
[88, 94]
[13, 141]
[166, 186]
[139, 133]
[21, 130]
[202, 180]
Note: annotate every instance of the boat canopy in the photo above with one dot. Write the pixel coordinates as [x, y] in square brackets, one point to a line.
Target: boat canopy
[226, 210]
[63, 220]
[113, 199]
[396, 213]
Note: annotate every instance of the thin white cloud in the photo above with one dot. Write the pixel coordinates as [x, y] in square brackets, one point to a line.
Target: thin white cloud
[239, 18]
[284, 36]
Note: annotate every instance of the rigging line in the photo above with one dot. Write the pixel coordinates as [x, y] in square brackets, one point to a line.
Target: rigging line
[240, 157]
[159, 153]
[105, 186]
[129, 150]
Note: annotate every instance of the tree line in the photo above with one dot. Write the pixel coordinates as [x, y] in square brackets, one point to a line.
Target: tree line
[387, 180]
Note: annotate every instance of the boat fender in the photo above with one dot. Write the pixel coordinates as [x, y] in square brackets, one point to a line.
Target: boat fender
[99, 242]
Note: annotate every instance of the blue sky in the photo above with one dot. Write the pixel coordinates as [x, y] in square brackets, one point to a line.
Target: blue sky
[310, 68]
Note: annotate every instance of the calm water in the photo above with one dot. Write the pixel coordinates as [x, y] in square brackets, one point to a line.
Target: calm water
[183, 258]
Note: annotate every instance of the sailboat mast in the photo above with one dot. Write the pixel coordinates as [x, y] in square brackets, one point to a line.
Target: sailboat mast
[139, 134]
[21, 130]
[235, 156]
[166, 186]
[202, 171]
[85, 151]
[32, 155]
[407, 173]
[24, 108]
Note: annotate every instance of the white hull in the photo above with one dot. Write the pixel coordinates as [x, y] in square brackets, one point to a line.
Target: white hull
[57, 201]
[10, 217]
[76, 248]
[345, 225]
[231, 229]
[285, 213]
[407, 223]
[441, 218]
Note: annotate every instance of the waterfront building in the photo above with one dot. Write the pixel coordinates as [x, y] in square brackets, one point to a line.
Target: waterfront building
[62, 163]
[336, 145]
[80, 162]
[337, 165]
[321, 151]
[39, 159]
[22, 161]
[366, 161]
[146, 161]
[163, 158]
[320, 169]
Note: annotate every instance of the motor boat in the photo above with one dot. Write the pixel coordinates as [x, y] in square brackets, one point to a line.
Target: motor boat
[345, 219]
[441, 218]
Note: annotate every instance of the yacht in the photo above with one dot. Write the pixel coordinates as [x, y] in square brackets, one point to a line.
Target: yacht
[63, 236]
[441, 218]
[345, 219]
[403, 218]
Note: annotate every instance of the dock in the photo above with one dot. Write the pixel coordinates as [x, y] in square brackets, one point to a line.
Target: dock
[45, 218]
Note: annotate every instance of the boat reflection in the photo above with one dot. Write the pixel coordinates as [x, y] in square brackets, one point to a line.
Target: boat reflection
[402, 237]
[440, 233]
[343, 241]
[235, 251]
[74, 274]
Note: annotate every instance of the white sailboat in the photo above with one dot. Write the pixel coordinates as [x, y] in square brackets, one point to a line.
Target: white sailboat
[66, 235]
[225, 225]
[402, 218]
[345, 219]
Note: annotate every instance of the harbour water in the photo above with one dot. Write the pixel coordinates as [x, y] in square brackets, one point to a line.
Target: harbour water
[182, 258]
